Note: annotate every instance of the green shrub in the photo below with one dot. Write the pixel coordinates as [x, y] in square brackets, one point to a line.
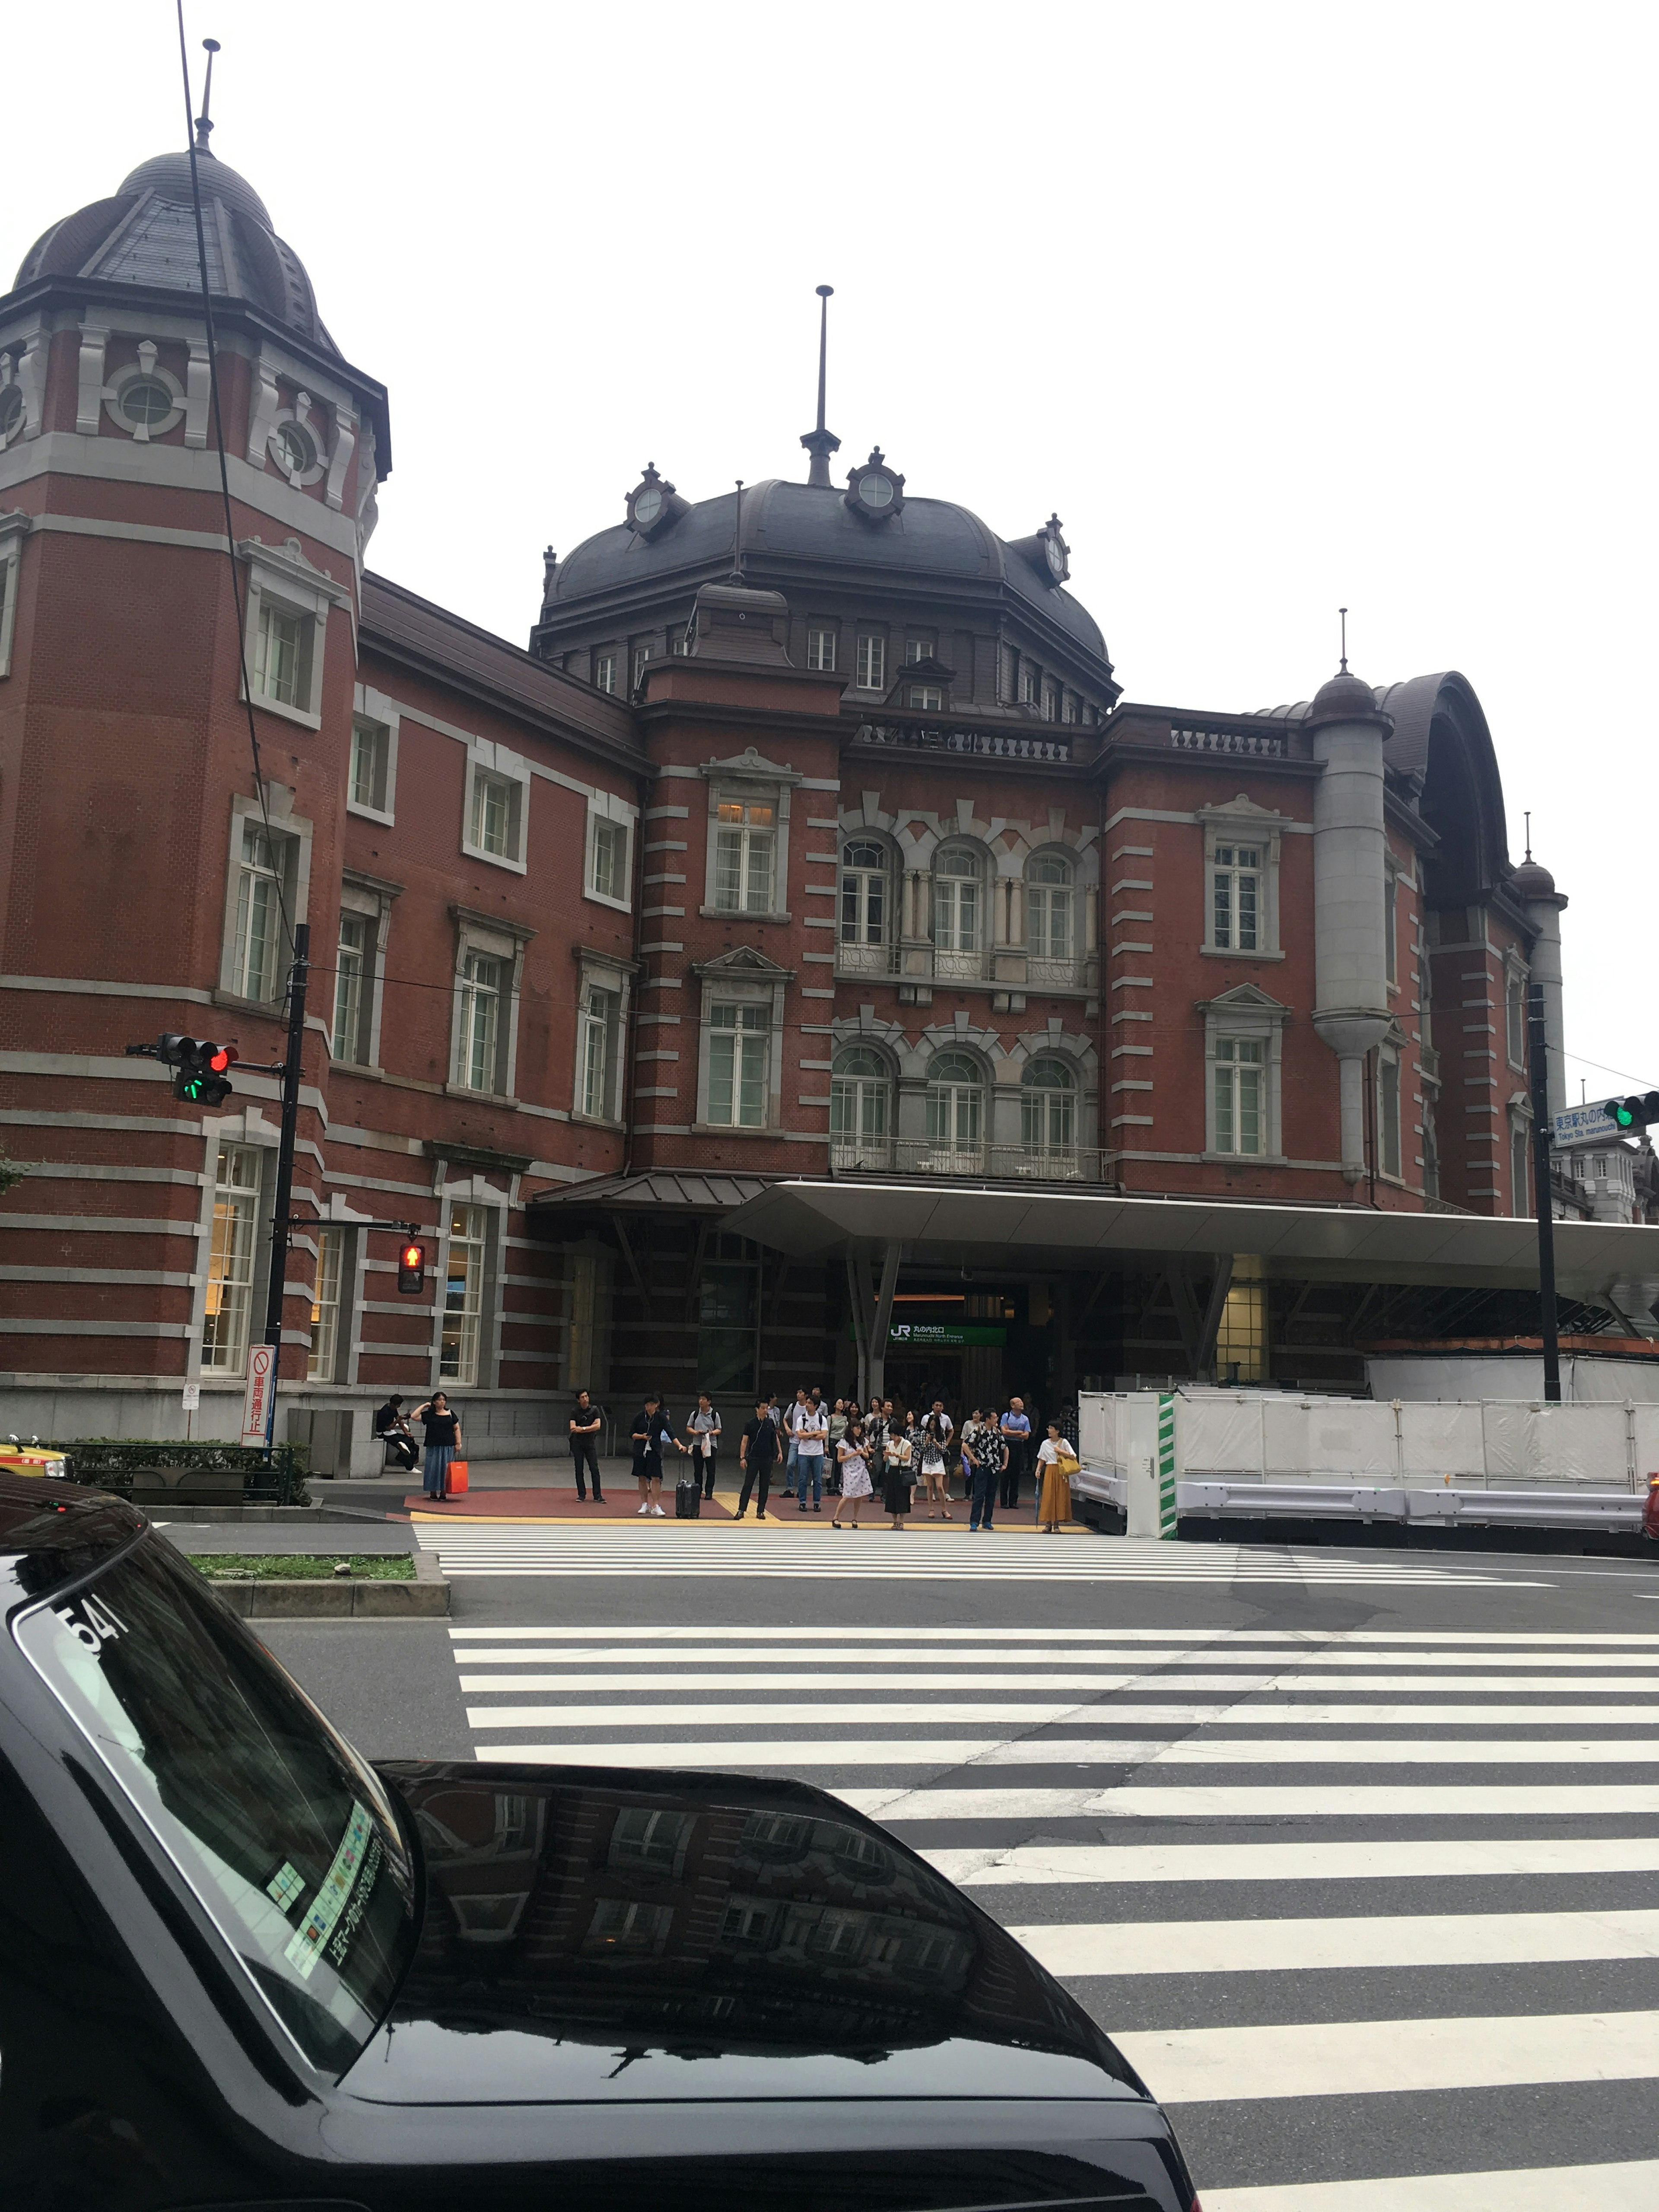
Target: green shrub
[303, 1566]
[110, 1462]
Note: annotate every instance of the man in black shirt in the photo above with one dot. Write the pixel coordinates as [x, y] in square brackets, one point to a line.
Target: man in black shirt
[584, 1420]
[652, 1431]
[394, 1432]
[757, 1455]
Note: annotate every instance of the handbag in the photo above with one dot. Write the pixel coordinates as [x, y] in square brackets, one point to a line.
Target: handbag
[455, 1479]
[1067, 1465]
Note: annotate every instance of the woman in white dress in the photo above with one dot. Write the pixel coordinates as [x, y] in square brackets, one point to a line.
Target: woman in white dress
[855, 1483]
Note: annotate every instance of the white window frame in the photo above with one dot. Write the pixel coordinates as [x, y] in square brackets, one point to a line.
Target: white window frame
[1249, 1015]
[604, 672]
[487, 936]
[250, 1160]
[1226, 828]
[607, 808]
[14, 528]
[956, 953]
[330, 1289]
[1390, 1108]
[948, 1151]
[855, 883]
[759, 985]
[1007, 673]
[925, 698]
[640, 659]
[477, 1373]
[853, 1092]
[1390, 922]
[1039, 1100]
[293, 836]
[373, 710]
[748, 781]
[500, 765]
[821, 642]
[1030, 682]
[614, 978]
[354, 985]
[1515, 1033]
[1041, 895]
[921, 645]
[369, 900]
[280, 578]
[870, 665]
[1051, 691]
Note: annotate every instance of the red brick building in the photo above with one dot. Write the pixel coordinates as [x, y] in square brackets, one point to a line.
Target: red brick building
[812, 839]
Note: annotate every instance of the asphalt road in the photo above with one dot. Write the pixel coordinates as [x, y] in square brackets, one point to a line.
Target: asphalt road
[1357, 1855]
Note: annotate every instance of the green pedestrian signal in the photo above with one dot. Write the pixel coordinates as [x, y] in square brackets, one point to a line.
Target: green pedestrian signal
[1635, 1112]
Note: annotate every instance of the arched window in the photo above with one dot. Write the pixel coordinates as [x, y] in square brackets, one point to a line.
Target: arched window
[956, 1113]
[861, 1109]
[1050, 939]
[866, 922]
[1048, 1116]
[958, 928]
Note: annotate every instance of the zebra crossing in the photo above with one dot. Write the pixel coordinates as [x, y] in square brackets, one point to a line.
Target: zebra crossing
[1376, 1891]
[746, 1550]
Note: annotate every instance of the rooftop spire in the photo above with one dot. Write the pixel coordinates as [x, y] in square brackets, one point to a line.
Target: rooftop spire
[1343, 612]
[1528, 822]
[820, 442]
[203, 121]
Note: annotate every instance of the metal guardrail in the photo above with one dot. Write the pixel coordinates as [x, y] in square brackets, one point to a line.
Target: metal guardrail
[986, 1163]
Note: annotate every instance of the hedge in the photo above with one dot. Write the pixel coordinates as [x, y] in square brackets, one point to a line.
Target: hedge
[110, 1462]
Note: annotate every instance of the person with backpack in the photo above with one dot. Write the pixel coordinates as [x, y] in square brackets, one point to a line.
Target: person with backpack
[811, 1434]
[702, 1433]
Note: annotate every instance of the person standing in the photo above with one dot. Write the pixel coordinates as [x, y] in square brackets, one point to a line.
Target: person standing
[1016, 1426]
[839, 1416]
[703, 1436]
[651, 1432]
[897, 1473]
[855, 1484]
[791, 1421]
[585, 1418]
[982, 1451]
[757, 1455]
[937, 1431]
[442, 1429]
[811, 1434]
[1055, 1459]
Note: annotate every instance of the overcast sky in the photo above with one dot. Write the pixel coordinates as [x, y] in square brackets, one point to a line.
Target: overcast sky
[1281, 306]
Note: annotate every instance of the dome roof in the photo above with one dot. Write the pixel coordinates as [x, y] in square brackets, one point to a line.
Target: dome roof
[145, 234]
[1345, 698]
[799, 527]
[1531, 881]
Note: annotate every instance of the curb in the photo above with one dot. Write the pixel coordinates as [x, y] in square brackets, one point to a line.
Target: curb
[426, 1598]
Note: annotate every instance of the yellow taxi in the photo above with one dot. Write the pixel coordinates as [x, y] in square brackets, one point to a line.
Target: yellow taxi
[32, 1458]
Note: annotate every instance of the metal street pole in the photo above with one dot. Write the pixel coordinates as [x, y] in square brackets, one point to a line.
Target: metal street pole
[284, 1197]
[1542, 1134]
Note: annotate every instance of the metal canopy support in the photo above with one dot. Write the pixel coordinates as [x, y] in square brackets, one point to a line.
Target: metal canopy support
[858, 1292]
[1542, 1128]
[1210, 1329]
[890, 1267]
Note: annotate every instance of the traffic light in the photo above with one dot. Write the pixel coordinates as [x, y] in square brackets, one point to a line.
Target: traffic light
[203, 1067]
[411, 1270]
[1633, 1113]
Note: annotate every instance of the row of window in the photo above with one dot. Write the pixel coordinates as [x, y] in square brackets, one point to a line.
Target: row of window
[240, 1208]
[958, 899]
[861, 1104]
[1021, 681]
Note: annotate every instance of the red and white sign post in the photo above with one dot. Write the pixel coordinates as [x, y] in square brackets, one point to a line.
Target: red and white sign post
[261, 1383]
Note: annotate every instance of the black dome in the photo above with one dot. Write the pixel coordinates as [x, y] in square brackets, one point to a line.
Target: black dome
[801, 525]
[145, 235]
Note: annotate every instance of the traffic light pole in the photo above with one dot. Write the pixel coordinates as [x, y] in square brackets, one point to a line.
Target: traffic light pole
[1544, 1200]
[284, 1197]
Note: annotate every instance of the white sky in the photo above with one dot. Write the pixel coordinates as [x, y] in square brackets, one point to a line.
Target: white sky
[1282, 306]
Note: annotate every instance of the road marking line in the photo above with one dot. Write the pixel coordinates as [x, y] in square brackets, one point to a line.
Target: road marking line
[1308, 1801]
[786, 1638]
[1623, 2188]
[1503, 1856]
[1346, 2058]
[1429, 1939]
[1529, 1671]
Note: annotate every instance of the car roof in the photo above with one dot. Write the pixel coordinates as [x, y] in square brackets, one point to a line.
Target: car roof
[53, 1532]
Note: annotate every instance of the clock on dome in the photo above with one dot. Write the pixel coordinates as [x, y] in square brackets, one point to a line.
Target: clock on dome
[1056, 550]
[653, 504]
[874, 491]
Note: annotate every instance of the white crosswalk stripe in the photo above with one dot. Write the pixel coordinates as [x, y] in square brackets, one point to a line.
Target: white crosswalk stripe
[1448, 1765]
[485, 1547]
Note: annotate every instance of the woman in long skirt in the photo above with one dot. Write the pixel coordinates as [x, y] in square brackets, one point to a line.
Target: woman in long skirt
[855, 1484]
[1054, 1484]
[442, 1430]
[897, 1475]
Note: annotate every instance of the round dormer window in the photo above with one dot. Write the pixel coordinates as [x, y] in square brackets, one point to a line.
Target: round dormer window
[146, 401]
[647, 506]
[295, 451]
[875, 489]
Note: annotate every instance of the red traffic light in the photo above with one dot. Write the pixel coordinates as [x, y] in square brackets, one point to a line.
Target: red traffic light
[411, 1270]
[221, 1057]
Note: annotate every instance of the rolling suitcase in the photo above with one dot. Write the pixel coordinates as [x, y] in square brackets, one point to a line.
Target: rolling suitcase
[688, 1501]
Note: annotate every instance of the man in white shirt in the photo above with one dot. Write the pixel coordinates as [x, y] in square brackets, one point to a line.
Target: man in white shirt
[792, 1420]
[811, 1434]
[703, 1434]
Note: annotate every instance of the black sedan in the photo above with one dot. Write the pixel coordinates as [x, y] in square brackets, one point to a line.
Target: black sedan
[240, 1967]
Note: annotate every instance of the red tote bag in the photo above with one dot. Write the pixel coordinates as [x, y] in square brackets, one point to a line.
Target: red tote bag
[455, 1479]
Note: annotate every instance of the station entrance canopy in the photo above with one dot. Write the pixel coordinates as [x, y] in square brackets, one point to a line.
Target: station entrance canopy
[972, 1225]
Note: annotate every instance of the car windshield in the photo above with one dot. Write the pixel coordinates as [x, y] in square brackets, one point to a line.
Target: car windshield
[289, 1841]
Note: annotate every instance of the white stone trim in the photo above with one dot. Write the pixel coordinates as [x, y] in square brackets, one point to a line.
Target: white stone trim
[1243, 822]
[1245, 1012]
[607, 806]
[14, 528]
[500, 939]
[373, 706]
[484, 756]
[296, 832]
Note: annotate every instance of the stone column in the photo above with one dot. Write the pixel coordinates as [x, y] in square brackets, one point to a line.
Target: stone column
[1350, 989]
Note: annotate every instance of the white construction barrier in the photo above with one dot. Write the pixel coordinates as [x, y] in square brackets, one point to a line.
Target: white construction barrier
[1247, 1455]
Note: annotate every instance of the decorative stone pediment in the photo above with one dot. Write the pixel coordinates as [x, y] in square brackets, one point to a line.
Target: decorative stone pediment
[743, 964]
[1246, 999]
[753, 765]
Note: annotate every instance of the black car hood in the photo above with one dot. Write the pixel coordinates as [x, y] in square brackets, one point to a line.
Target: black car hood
[593, 1934]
